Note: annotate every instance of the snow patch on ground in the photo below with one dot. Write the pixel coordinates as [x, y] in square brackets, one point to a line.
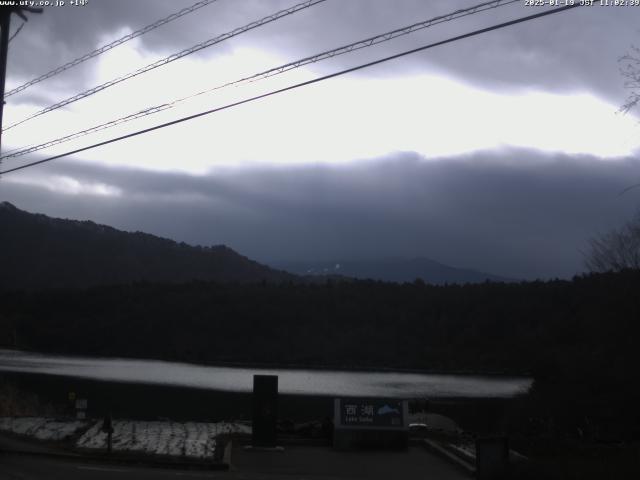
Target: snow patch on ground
[41, 428]
[467, 450]
[192, 439]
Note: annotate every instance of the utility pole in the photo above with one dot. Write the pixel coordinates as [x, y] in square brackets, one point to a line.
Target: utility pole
[5, 24]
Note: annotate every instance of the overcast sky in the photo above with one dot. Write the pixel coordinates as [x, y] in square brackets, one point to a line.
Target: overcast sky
[503, 152]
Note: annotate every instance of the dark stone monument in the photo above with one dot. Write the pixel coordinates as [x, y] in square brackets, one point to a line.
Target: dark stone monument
[265, 410]
[492, 458]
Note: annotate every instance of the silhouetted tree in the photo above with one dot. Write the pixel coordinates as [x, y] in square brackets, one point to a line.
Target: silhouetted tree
[630, 70]
[616, 250]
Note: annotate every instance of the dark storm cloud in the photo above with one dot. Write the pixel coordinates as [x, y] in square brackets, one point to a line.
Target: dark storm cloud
[515, 213]
[565, 52]
[62, 34]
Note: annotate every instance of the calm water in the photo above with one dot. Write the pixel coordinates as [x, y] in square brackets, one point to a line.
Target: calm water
[235, 379]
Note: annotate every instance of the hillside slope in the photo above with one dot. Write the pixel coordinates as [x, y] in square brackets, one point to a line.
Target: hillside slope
[37, 251]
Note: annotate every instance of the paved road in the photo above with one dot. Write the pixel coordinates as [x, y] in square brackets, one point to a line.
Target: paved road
[295, 462]
[310, 463]
[326, 463]
[22, 467]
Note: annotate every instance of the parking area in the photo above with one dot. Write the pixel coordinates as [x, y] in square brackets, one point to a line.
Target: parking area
[313, 462]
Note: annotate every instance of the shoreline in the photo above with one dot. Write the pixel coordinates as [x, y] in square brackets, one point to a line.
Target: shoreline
[290, 366]
[156, 402]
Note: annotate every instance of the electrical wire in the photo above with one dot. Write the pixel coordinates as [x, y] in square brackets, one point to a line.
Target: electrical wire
[15, 34]
[171, 58]
[298, 85]
[375, 40]
[109, 46]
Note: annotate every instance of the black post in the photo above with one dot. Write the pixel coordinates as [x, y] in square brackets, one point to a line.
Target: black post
[107, 426]
[492, 458]
[265, 410]
[5, 23]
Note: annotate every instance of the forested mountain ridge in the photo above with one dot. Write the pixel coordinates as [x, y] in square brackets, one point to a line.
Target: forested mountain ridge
[391, 270]
[37, 251]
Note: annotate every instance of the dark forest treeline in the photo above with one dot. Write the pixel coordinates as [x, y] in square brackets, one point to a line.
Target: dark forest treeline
[578, 338]
[528, 327]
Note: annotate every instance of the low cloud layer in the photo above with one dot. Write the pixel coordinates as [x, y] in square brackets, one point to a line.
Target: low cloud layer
[516, 213]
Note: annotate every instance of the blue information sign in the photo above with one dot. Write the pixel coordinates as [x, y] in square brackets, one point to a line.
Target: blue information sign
[371, 412]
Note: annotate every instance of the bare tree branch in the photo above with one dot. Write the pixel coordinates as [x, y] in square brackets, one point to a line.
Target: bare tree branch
[630, 71]
[616, 250]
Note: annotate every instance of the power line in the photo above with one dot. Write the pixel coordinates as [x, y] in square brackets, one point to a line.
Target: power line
[377, 39]
[298, 85]
[171, 58]
[34, 148]
[15, 34]
[5, 24]
[109, 46]
[628, 189]
[381, 38]
[18, 151]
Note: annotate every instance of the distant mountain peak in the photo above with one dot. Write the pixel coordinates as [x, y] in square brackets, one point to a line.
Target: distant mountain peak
[391, 269]
[7, 206]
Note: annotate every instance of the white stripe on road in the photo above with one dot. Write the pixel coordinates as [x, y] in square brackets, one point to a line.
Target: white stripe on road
[198, 475]
[105, 469]
[101, 469]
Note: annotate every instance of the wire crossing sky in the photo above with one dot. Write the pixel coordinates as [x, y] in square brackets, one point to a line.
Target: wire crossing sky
[109, 46]
[299, 85]
[501, 153]
[176, 56]
[352, 47]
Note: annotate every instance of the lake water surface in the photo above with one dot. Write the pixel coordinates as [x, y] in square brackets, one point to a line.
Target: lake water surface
[291, 381]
